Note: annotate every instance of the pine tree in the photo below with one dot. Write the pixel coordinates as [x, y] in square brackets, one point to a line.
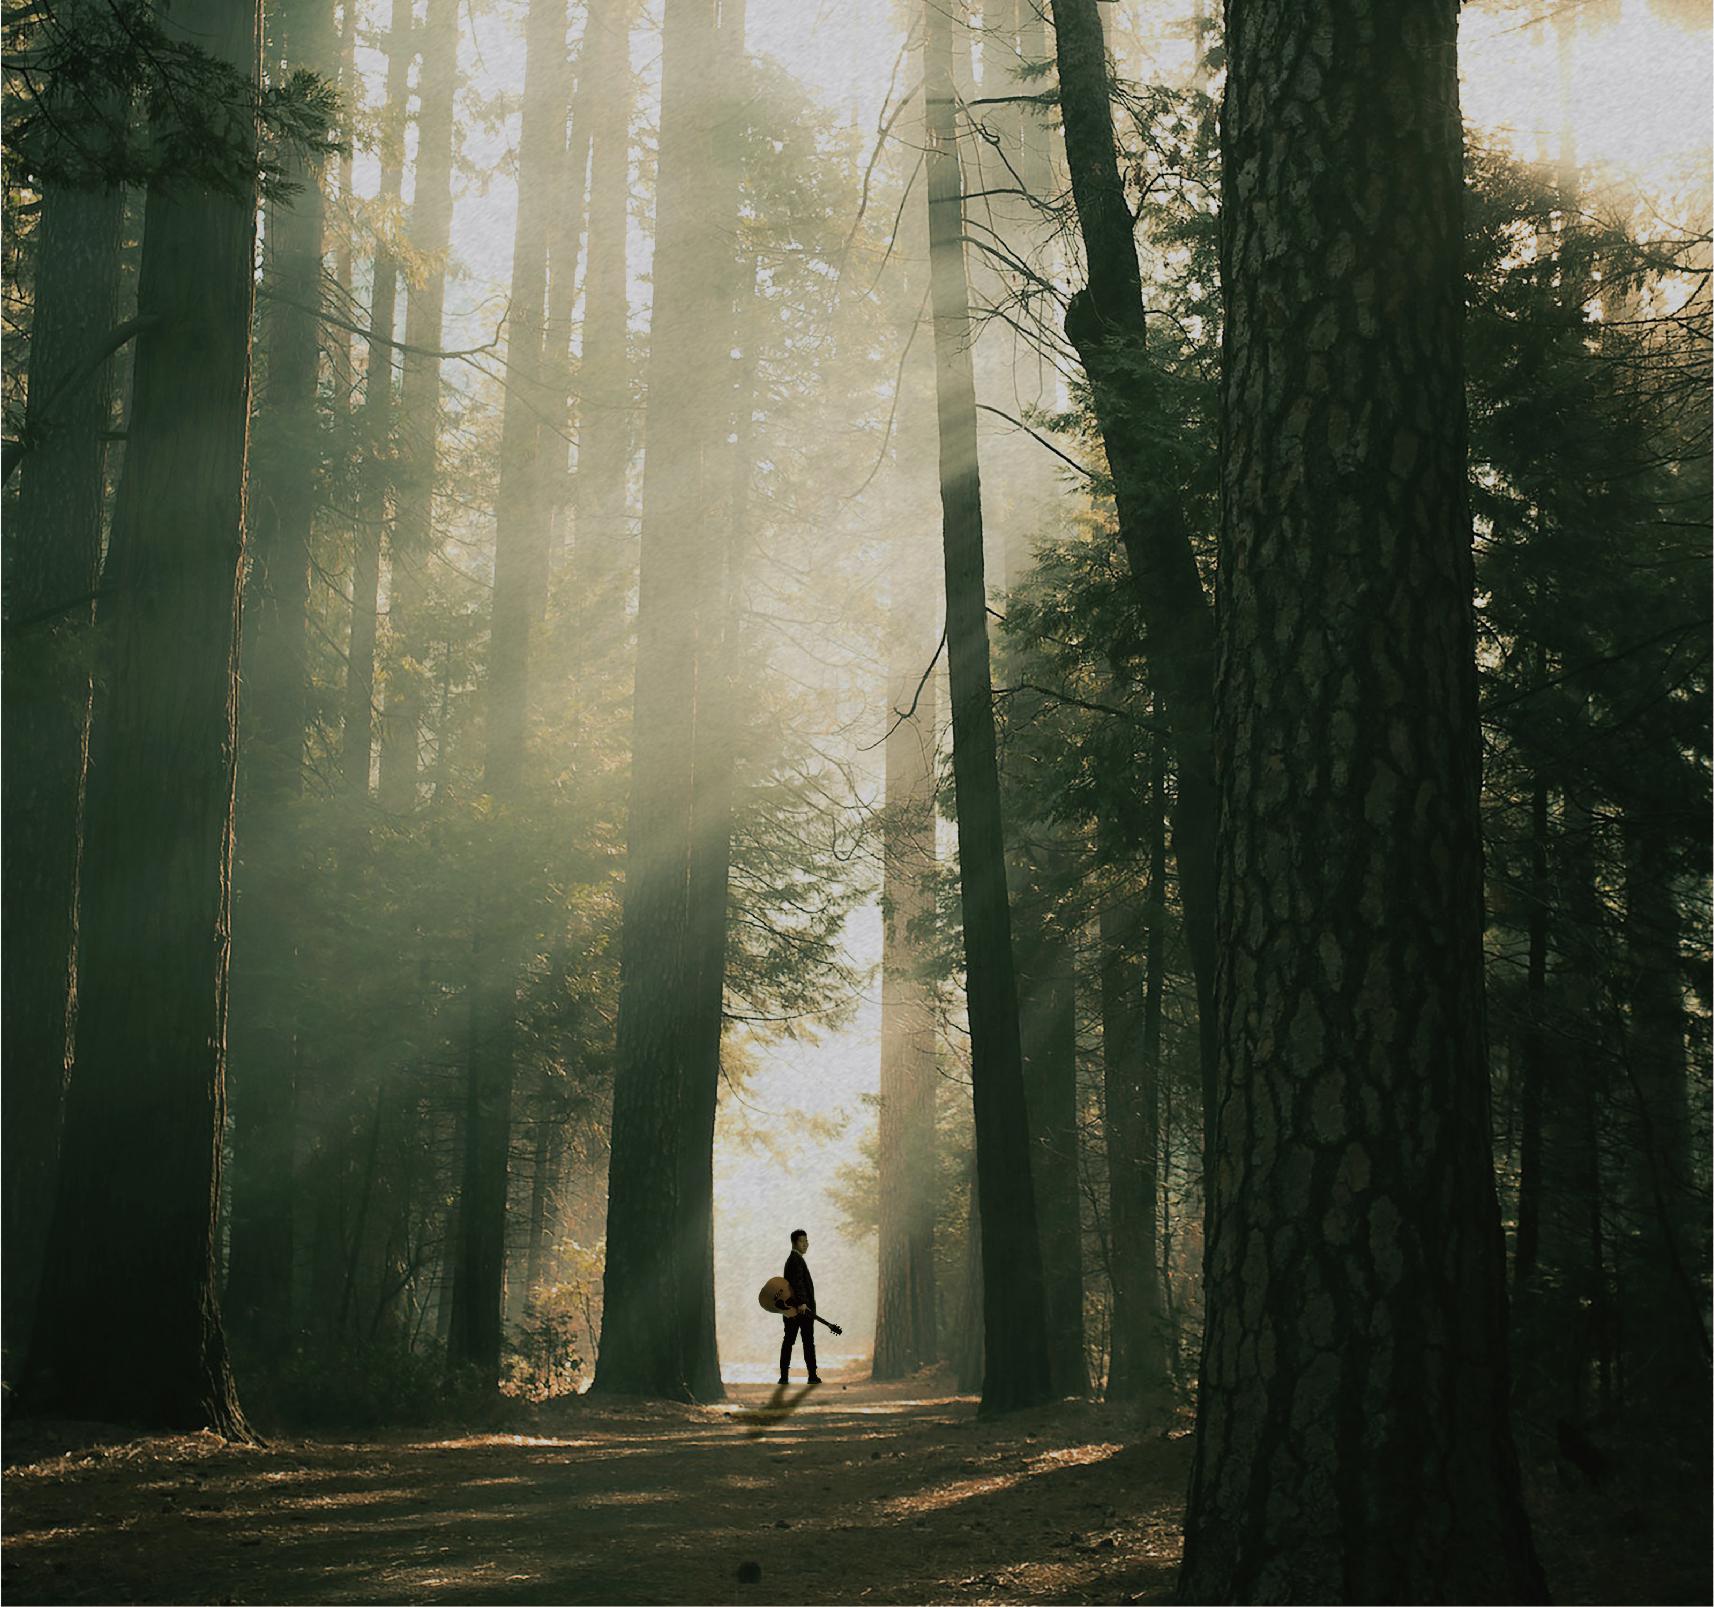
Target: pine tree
[1353, 1439]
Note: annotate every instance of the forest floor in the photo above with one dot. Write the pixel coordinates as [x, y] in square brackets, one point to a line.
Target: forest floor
[850, 1492]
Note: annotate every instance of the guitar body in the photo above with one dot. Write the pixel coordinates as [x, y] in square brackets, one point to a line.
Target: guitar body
[776, 1296]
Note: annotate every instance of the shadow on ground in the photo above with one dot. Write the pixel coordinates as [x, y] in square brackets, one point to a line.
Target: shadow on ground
[847, 1492]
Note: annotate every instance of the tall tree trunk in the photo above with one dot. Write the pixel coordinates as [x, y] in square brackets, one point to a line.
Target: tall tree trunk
[1014, 1312]
[419, 412]
[906, 1335]
[264, 1052]
[970, 1350]
[131, 1247]
[378, 409]
[1561, 1310]
[1105, 323]
[650, 1318]
[1130, 1059]
[1353, 1442]
[544, 1198]
[1668, 1314]
[1527, 1245]
[52, 567]
[565, 251]
[720, 559]
[520, 578]
[1047, 1027]
[602, 560]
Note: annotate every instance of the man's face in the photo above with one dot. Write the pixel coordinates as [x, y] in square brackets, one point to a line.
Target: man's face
[801, 1243]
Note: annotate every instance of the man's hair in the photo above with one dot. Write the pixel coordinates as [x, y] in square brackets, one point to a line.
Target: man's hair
[799, 1233]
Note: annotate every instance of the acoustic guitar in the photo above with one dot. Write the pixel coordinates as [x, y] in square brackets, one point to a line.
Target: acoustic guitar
[776, 1296]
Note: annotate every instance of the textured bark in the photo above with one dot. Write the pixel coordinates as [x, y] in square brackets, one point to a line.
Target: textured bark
[520, 581]
[52, 566]
[1130, 1063]
[264, 1054]
[1014, 1313]
[603, 563]
[651, 1314]
[131, 1248]
[905, 1311]
[1105, 323]
[1353, 1443]
[419, 411]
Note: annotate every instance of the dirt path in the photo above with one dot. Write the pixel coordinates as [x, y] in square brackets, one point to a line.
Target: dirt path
[849, 1493]
[852, 1492]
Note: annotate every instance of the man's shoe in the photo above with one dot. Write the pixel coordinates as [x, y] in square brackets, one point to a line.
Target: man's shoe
[784, 1380]
[814, 1378]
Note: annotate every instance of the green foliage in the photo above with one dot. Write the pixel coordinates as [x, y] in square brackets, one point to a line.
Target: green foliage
[109, 94]
[542, 1356]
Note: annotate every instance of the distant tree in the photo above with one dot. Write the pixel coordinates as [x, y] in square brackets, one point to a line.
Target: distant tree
[906, 1308]
[1015, 1317]
[1131, 1006]
[520, 586]
[600, 556]
[284, 472]
[132, 1242]
[375, 492]
[419, 412]
[1353, 1438]
[1105, 322]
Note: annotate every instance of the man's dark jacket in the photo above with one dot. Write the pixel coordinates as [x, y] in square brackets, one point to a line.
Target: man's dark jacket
[797, 1275]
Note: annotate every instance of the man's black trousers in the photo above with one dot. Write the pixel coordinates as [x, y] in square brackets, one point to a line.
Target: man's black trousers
[794, 1327]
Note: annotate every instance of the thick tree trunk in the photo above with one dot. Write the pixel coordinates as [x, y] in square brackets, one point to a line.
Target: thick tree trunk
[264, 1054]
[520, 579]
[720, 557]
[419, 413]
[602, 558]
[1015, 1317]
[1353, 1443]
[131, 1248]
[650, 1315]
[52, 566]
[1105, 323]
[906, 1336]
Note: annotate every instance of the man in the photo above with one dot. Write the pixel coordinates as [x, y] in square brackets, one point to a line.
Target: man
[801, 1320]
